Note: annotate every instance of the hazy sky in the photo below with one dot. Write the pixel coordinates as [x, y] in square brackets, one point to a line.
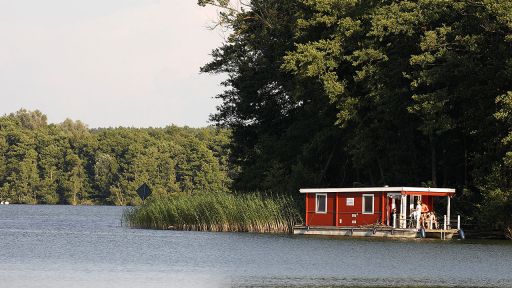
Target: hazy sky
[108, 62]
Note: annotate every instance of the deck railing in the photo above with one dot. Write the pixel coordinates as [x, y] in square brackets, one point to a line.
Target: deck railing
[410, 222]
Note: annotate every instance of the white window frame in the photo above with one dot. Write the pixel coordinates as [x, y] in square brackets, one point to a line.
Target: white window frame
[373, 203]
[316, 203]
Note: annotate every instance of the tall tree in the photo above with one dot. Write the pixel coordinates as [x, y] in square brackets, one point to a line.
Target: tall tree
[74, 180]
[274, 117]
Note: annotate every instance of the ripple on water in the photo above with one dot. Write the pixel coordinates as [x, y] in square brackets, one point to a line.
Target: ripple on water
[86, 246]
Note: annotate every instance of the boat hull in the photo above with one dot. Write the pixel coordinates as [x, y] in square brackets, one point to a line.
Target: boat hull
[356, 232]
[441, 234]
[384, 232]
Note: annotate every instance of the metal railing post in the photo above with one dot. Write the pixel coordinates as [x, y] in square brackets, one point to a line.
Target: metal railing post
[448, 210]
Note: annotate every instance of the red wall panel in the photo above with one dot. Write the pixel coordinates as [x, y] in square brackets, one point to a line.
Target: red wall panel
[339, 214]
[320, 219]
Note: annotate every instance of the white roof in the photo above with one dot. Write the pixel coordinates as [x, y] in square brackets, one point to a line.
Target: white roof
[377, 189]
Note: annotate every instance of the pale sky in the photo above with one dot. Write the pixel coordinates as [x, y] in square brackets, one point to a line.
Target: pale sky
[109, 63]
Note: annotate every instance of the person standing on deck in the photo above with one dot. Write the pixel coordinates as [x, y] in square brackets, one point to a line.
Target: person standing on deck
[424, 208]
[418, 214]
[424, 211]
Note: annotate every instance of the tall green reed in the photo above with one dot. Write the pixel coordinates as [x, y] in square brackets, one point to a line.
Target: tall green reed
[253, 212]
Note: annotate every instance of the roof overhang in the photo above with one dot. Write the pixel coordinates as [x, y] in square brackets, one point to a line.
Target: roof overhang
[401, 190]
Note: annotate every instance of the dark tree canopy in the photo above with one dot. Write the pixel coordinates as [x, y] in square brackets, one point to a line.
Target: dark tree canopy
[336, 93]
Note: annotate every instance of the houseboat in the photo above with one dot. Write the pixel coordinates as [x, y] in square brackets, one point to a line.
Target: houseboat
[378, 212]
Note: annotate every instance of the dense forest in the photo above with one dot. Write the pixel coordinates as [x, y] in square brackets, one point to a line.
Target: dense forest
[318, 93]
[324, 93]
[68, 163]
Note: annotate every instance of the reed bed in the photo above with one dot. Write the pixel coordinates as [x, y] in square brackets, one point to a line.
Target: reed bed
[252, 212]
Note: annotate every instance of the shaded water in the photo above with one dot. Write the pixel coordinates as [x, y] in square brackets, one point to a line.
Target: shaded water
[65, 246]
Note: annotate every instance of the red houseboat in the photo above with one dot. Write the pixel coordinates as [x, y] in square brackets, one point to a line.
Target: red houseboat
[377, 211]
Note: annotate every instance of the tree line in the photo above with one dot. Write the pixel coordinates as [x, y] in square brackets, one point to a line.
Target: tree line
[68, 163]
[327, 93]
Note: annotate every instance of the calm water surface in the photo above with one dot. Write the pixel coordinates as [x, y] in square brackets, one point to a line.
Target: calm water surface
[65, 246]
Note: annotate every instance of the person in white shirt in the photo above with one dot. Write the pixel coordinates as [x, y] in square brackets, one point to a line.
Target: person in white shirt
[418, 214]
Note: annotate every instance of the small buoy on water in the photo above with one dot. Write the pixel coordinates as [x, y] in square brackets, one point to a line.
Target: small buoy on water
[462, 236]
[6, 202]
[423, 234]
[2, 203]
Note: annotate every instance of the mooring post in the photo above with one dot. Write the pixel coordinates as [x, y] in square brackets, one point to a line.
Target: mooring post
[444, 227]
[458, 222]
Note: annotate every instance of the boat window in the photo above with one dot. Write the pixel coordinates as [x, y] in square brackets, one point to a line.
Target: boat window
[367, 203]
[321, 203]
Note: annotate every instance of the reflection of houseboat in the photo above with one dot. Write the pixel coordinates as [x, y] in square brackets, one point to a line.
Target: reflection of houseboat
[368, 212]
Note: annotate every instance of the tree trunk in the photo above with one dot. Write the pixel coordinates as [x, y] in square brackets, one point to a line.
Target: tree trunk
[465, 163]
[326, 166]
[74, 194]
[433, 160]
[445, 169]
[381, 171]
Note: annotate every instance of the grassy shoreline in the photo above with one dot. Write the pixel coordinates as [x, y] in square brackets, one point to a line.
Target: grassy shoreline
[252, 212]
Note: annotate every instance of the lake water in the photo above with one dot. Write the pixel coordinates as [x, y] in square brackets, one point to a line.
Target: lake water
[65, 246]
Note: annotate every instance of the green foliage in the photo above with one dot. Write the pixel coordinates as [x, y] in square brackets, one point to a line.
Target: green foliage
[71, 164]
[329, 93]
[250, 212]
